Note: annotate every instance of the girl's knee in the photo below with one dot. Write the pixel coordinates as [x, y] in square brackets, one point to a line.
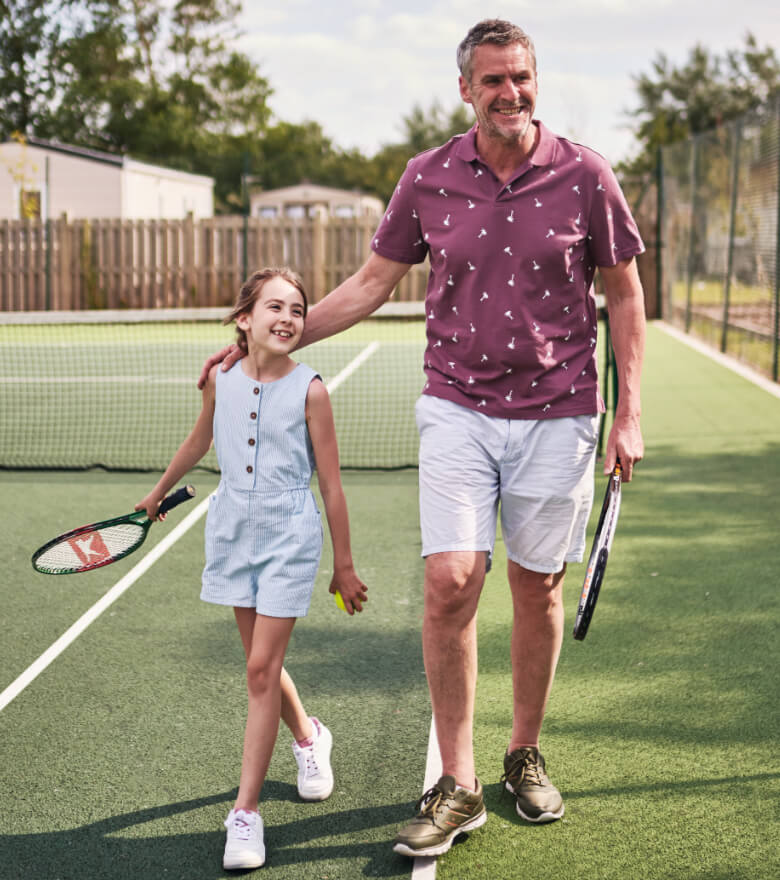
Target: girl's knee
[262, 677]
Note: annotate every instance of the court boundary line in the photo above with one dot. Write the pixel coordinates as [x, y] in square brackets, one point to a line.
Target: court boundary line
[424, 867]
[724, 360]
[106, 600]
[123, 584]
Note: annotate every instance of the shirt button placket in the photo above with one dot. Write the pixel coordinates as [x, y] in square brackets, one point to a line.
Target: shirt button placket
[253, 415]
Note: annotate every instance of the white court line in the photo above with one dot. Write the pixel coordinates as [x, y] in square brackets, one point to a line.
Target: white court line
[424, 868]
[724, 360]
[353, 365]
[70, 635]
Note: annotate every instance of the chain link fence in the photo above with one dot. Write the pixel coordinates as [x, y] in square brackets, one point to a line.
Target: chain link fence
[719, 224]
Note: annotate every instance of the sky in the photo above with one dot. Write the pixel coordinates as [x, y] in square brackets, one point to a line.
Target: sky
[358, 67]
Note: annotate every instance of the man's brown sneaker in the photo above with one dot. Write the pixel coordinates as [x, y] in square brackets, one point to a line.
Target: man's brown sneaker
[443, 812]
[538, 800]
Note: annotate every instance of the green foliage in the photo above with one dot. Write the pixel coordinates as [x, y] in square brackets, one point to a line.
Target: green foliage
[290, 153]
[162, 82]
[707, 91]
[423, 130]
[28, 37]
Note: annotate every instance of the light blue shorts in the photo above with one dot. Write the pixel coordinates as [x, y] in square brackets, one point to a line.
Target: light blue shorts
[539, 472]
[262, 550]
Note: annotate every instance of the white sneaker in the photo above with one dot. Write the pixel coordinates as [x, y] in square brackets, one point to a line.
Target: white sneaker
[244, 847]
[315, 777]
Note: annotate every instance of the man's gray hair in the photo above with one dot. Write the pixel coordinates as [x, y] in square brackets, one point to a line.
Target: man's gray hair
[496, 31]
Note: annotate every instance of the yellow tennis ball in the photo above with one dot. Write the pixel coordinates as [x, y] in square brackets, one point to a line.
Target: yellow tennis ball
[339, 601]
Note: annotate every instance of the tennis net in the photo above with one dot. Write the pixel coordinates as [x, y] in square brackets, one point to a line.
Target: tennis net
[117, 389]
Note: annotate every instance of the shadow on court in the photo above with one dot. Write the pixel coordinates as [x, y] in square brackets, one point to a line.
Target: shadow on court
[300, 849]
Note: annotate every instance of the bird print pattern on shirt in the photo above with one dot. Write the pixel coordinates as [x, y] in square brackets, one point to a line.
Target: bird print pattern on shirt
[538, 324]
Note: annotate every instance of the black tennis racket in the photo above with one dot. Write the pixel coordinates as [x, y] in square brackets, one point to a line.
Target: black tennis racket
[101, 543]
[599, 554]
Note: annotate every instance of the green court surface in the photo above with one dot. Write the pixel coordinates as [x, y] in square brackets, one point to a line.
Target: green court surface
[121, 759]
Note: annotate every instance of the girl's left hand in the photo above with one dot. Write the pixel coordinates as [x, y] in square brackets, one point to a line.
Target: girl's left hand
[353, 590]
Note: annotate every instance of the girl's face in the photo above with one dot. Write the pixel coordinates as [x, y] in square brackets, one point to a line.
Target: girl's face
[276, 320]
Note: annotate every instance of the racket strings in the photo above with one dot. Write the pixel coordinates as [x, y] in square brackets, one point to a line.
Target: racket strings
[90, 549]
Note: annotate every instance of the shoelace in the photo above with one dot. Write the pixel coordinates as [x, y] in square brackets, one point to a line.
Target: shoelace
[430, 804]
[241, 829]
[311, 768]
[522, 768]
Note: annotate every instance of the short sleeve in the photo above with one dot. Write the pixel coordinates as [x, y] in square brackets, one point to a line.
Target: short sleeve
[399, 235]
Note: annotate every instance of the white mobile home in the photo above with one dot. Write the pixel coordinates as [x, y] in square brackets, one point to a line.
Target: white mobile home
[46, 179]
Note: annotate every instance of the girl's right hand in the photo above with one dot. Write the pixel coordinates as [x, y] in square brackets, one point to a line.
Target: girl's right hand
[151, 504]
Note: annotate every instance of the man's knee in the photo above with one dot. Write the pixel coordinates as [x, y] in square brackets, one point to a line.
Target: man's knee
[535, 589]
[453, 583]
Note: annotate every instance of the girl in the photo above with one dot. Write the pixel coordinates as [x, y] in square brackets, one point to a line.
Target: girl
[271, 422]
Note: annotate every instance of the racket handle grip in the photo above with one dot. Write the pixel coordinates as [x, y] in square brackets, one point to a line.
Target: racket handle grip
[180, 495]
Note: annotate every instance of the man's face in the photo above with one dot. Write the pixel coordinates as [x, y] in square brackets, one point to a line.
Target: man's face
[502, 91]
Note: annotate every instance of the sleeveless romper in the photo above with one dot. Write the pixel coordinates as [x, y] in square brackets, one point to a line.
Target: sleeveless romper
[263, 529]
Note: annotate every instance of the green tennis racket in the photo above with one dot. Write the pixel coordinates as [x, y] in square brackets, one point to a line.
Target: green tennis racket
[101, 543]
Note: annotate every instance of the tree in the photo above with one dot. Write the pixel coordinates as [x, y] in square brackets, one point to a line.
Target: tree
[423, 130]
[29, 34]
[158, 80]
[707, 91]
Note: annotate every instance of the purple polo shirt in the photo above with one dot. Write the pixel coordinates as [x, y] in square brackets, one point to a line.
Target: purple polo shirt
[511, 315]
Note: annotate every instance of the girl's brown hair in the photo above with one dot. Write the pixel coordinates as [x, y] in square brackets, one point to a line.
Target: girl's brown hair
[250, 293]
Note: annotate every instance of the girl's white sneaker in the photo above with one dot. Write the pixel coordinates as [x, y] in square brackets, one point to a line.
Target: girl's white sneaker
[244, 847]
[315, 777]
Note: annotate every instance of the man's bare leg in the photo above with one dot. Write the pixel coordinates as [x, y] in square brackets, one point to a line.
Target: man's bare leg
[537, 635]
[453, 584]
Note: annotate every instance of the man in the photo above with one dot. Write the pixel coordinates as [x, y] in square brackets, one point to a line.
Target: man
[515, 221]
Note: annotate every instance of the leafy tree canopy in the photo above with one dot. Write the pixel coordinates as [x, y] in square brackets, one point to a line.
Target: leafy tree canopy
[161, 81]
[705, 92]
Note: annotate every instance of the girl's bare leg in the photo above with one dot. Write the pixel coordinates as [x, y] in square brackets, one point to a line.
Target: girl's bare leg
[265, 642]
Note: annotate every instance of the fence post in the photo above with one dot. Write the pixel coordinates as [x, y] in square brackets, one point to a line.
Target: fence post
[732, 232]
[776, 339]
[245, 225]
[692, 231]
[659, 231]
[317, 227]
[48, 239]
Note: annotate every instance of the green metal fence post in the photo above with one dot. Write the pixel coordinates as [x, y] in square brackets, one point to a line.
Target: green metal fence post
[47, 227]
[245, 200]
[776, 339]
[659, 231]
[732, 233]
[692, 232]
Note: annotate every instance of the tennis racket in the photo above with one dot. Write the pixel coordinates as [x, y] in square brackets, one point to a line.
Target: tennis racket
[101, 543]
[597, 562]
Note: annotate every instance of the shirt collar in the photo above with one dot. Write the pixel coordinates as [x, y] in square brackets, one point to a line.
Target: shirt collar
[541, 156]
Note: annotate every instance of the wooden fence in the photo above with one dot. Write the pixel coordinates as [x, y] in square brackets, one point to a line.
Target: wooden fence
[72, 265]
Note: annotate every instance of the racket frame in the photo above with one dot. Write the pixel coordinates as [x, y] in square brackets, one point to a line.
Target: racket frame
[599, 554]
[138, 517]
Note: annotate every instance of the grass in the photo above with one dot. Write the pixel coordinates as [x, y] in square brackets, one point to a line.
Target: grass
[707, 293]
[662, 725]
[121, 759]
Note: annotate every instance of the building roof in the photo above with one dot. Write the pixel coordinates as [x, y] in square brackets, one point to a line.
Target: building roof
[80, 152]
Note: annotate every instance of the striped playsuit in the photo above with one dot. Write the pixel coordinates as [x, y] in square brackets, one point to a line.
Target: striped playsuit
[263, 530]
